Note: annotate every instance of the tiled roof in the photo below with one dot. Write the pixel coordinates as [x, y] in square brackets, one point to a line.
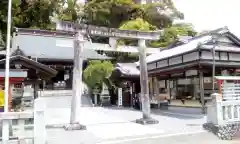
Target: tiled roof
[45, 46]
[128, 68]
[193, 44]
[31, 64]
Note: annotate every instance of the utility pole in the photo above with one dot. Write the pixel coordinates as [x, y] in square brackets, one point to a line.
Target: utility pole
[5, 124]
[89, 30]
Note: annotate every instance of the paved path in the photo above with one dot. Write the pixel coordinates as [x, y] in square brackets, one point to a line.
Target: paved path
[65, 101]
[172, 121]
[116, 124]
[199, 138]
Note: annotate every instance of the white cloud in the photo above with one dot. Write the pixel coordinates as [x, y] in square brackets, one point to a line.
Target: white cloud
[211, 14]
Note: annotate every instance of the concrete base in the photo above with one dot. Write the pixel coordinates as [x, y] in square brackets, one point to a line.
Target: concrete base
[147, 121]
[75, 126]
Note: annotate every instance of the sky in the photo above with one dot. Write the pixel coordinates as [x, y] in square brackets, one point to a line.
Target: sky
[211, 14]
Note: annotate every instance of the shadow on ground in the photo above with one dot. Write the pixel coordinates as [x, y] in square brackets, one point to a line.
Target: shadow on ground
[178, 115]
[174, 112]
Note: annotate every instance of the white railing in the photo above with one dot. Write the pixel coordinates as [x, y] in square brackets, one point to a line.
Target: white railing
[39, 134]
[230, 111]
[223, 112]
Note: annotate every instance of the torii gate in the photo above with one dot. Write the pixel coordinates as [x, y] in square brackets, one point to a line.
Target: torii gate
[83, 29]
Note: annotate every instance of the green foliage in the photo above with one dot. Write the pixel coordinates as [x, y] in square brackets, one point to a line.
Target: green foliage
[161, 14]
[123, 14]
[127, 15]
[172, 33]
[110, 13]
[70, 10]
[96, 72]
[137, 24]
[38, 13]
[27, 14]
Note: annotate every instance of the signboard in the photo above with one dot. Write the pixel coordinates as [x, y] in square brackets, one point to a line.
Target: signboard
[207, 79]
[14, 73]
[120, 97]
[191, 73]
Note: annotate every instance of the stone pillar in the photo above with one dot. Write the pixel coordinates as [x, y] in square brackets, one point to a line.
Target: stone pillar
[36, 88]
[77, 84]
[195, 84]
[131, 94]
[144, 80]
[156, 87]
[215, 113]
[146, 119]
[150, 82]
[39, 121]
[201, 84]
[134, 93]
[77, 77]
[44, 84]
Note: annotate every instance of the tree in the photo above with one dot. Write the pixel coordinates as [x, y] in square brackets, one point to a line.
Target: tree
[125, 14]
[112, 13]
[172, 33]
[162, 14]
[136, 24]
[116, 13]
[97, 72]
[169, 35]
[109, 13]
[28, 14]
[70, 10]
[38, 13]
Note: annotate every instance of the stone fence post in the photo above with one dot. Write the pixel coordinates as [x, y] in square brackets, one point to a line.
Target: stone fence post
[214, 112]
[39, 121]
